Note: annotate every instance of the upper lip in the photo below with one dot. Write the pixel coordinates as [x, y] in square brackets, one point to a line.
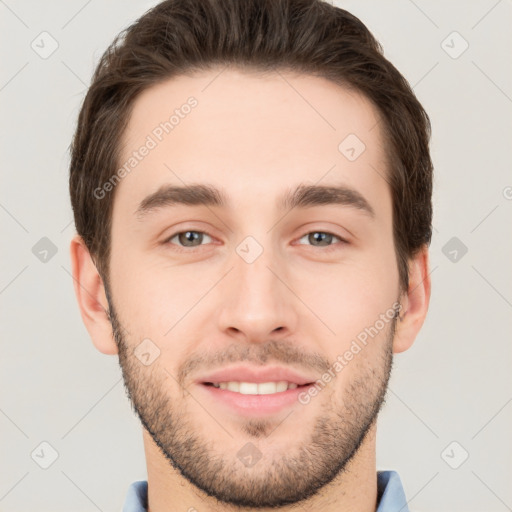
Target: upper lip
[256, 374]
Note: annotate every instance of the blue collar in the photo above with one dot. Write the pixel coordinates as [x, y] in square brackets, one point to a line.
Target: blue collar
[390, 494]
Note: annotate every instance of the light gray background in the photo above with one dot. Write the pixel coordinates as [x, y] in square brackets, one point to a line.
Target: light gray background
[453, 385]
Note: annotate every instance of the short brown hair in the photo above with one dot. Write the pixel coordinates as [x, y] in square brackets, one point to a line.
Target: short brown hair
[306, 36]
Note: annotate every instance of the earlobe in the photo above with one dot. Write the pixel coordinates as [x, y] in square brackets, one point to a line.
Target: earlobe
[91, 297]
[414, 303]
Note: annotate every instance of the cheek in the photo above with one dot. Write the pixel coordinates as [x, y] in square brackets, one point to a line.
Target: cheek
[350, 296]
[161, 301]
[141, 294]
[160, 298]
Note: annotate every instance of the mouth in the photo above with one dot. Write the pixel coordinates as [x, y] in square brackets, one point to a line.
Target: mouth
[253, 399]
[257, 388]
[255, 391]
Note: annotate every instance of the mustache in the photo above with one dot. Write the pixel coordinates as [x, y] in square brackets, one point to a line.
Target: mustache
[274, 351]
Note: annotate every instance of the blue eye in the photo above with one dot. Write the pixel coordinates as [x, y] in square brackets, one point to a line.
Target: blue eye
[324, 239]
[188, 238]
[191, 239]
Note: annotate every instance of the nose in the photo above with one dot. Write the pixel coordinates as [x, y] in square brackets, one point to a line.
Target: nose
[256, 300]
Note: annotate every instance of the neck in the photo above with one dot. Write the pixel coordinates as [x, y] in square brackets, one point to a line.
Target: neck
[353, 490]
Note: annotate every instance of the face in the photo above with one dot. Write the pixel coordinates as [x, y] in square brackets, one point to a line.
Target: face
[276, 275]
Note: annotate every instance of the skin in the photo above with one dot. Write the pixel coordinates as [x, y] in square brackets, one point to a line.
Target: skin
[299, 304]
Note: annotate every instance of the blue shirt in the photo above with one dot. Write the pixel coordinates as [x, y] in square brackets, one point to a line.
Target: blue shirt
[390, 494]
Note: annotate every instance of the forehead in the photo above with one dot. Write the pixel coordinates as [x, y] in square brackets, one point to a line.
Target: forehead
[252, 134]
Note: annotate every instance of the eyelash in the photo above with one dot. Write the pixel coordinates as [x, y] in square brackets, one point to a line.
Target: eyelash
[192, 249]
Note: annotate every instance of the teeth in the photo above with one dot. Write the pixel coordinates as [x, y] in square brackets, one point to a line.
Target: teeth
[232, 386]
[253, 388]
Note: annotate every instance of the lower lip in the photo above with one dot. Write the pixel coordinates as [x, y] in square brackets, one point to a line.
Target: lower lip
[255, 404]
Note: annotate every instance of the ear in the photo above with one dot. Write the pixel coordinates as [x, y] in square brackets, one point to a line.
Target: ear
[91, 297]
[414, 303]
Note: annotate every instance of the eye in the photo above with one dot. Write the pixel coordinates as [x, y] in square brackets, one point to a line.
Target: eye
[191, 239]
[188, 238]
[323, 238]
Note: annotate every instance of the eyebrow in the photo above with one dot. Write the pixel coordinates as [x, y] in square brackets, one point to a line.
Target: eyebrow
[303, 196]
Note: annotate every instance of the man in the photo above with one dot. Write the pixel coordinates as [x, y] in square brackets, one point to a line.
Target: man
[251, 184]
